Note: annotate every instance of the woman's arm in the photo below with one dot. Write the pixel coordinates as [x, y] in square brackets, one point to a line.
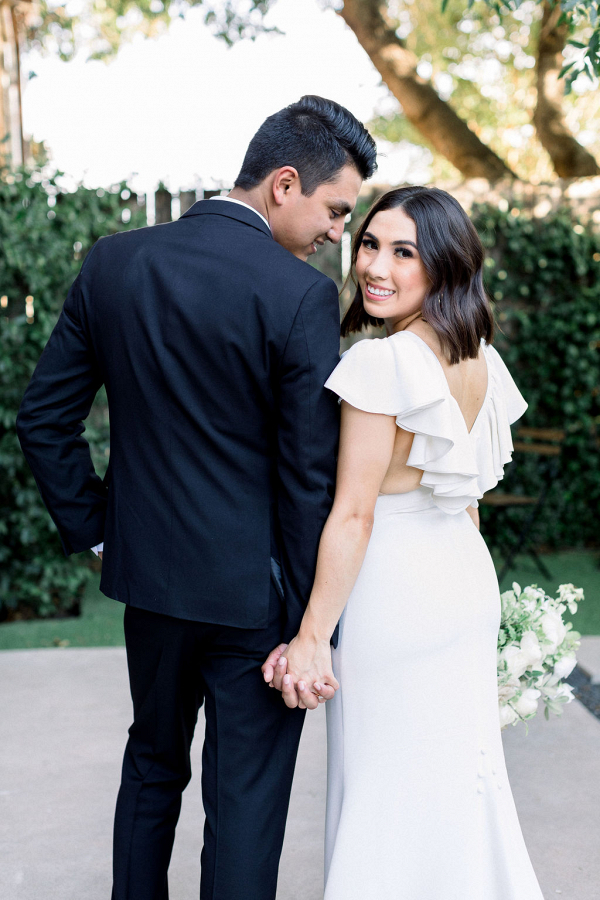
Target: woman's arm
[366, 446]
[474, 513]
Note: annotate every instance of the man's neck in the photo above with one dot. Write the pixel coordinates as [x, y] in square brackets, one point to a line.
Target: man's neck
[253, 198]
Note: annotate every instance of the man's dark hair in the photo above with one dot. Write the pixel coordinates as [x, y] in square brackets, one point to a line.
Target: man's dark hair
[456, 305]
[315, 136]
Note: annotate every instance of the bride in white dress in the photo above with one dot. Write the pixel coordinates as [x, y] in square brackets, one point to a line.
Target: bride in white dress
[418, 802]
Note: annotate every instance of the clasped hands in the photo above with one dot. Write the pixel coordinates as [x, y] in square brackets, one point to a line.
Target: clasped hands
[302, 671]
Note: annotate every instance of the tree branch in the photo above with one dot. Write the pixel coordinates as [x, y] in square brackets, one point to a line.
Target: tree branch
[421, 104]
[569, 158]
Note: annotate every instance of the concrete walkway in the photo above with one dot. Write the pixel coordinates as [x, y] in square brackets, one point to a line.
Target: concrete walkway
[63, 720]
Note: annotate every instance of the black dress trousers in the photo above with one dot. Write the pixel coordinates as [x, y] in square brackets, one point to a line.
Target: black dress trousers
[250, 749]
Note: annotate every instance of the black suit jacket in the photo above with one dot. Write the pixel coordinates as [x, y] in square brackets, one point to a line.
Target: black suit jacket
[214, 344]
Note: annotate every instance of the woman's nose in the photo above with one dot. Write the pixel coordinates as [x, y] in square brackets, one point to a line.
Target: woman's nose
[378, 268]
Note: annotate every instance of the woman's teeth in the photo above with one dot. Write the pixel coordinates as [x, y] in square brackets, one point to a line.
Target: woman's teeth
[379, 292]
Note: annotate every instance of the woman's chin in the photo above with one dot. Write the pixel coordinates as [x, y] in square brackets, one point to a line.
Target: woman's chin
[375, 309]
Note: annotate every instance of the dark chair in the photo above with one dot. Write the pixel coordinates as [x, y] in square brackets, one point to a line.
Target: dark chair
[546, 443]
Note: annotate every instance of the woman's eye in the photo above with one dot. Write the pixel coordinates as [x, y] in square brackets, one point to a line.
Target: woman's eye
[368, 244]
[404, 253]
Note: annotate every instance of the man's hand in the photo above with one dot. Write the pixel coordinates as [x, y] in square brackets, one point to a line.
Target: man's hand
[269, 665]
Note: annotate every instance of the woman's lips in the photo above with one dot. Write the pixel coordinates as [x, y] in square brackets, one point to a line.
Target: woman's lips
[379, 297]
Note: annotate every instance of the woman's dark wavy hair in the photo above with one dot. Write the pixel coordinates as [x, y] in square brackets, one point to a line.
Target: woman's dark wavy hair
[456, 305]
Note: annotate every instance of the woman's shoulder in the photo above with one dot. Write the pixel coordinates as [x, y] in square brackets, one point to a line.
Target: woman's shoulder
[388, 375]
[404, 350]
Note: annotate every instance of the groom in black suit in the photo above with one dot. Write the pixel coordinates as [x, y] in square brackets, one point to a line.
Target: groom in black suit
[214, 339]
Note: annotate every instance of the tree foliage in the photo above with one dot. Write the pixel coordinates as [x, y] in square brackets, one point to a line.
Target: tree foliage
[99, 27]
[103, 25]
[582, 18]
[458, 104]
[45, 233]
[487, 68]
[544, 275]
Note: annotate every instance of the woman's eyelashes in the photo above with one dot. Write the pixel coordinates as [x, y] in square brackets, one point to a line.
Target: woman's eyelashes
[402, 252]
[368, 244]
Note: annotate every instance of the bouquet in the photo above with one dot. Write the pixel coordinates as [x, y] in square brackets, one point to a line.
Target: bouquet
[536, 651]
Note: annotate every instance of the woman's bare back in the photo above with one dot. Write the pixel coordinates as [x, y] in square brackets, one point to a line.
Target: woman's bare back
[467, 381]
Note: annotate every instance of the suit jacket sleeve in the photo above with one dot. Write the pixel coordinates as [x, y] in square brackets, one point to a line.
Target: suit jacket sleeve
[308, 432]
[50, 428]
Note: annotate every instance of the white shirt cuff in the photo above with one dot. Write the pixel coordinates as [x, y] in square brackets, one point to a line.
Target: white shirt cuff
[99, 548]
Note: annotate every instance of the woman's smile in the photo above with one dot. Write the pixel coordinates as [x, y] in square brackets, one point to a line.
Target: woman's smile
[377, 294]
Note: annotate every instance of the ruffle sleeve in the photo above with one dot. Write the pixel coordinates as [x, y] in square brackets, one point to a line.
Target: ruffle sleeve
[491, 434]
[387, 376]
[515, 404]
[401, 376]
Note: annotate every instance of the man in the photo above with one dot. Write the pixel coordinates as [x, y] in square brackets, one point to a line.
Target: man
[214, 340]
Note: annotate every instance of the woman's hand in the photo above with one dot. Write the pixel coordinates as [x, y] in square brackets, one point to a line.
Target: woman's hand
[305, 674]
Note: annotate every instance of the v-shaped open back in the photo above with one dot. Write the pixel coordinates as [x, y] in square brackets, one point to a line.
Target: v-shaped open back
[487, 381]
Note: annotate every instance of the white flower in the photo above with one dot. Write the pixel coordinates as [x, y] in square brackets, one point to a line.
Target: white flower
[507, 716]
[508, 690]
[536, 651]
[516, 661]
[534, 593]
[564, 691]
[565, 665]
[527, 703]
[530, 646]
[522, 656]
[554, 629]
[570, 595]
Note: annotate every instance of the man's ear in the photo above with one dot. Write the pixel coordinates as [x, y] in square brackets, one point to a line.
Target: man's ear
[286, 182]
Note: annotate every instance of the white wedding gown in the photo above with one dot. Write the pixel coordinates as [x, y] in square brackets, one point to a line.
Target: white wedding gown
[418, 803]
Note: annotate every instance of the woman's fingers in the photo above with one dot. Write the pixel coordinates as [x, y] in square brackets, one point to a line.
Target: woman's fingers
[323, 691]
[306, 695]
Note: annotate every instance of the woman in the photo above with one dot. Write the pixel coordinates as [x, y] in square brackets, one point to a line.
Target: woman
[418, 804]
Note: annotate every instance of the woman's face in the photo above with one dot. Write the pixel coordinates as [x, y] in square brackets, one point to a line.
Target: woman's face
[389, 269]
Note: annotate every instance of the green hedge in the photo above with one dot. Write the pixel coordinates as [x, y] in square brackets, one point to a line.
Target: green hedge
[544, 275]
[45, 233]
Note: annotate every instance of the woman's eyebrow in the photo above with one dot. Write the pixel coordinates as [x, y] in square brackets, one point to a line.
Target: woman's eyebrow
[369, 234]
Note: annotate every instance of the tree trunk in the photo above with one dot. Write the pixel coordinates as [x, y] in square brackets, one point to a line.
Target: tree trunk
[11, 128]
[432, 116]
[569, 158]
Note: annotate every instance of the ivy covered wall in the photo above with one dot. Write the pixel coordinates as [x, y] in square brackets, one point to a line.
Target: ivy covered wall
[45, 233]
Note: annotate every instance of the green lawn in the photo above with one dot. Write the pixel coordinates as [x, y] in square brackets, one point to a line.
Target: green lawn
[580, 567]
[101, 623]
